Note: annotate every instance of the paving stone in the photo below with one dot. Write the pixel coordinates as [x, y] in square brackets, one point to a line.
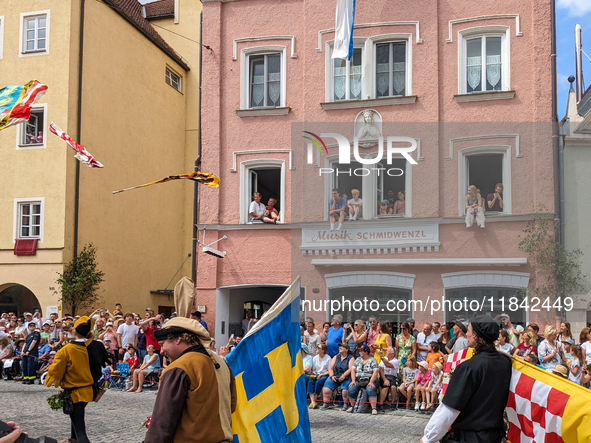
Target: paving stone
[118, 417]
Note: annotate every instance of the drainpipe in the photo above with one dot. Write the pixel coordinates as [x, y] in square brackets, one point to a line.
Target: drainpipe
[579, 62]
[79, 124]
[197, 162]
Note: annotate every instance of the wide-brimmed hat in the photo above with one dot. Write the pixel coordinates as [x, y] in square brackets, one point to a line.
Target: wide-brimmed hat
[191, 326]
[561, 370]
[344, 345]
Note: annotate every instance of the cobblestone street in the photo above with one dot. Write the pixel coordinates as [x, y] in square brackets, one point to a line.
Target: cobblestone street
[117, 418]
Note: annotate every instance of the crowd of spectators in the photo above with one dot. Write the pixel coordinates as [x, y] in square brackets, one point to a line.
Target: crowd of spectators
[405, 370]
[28, 344]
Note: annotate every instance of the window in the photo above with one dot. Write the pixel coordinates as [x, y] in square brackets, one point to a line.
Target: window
[484, 64]
[267, 177]
[484, 60]
[265, 80]
[347, 178]
[390, 69]
[484, 167]
[29, 219]
[35, 33]
[32, 133]
[347, 78]
[173, 79]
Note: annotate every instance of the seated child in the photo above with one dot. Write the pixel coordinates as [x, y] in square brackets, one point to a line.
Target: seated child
[271, 214]
[422, 378]
[385, 208]
[354, 205]
[408, 379]
[433, 387]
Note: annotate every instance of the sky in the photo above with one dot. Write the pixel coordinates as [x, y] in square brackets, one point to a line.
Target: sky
[568, 14]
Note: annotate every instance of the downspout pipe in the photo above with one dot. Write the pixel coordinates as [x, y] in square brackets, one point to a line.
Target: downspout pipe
[197, 161]
[79, 127]
[555, 135]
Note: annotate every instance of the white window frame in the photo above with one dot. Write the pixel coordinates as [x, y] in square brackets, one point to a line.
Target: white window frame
[173, 72]
[245, 55]
[369, 186]
[463, 175]
[16, 217]
[485, 31]
[21, 46]
[20, 129]
[245, 197]
[391, 38]
[1, 36]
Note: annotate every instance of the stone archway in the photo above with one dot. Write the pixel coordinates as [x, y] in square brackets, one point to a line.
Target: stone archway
[17, 298]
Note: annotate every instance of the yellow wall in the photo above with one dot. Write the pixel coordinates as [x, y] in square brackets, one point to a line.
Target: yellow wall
[138, 126]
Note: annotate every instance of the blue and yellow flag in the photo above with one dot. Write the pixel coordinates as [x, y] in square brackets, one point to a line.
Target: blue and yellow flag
[269, 373]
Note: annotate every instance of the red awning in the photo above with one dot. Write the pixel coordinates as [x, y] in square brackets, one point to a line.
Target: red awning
[25, 246]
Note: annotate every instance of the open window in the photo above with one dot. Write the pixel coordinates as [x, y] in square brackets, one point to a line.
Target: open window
[266, 177]
[31, 133]
[484, 167]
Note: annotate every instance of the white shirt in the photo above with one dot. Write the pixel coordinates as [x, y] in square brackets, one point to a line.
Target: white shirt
[312, 341]
[439, 423]
[320, 366]
[258, 209]
[127, 333]
[460, 344]
[387, 370]
[507, 348]
[587, 347]
[424, 341]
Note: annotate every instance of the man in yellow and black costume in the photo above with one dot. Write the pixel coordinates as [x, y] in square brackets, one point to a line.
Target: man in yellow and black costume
[77, 368]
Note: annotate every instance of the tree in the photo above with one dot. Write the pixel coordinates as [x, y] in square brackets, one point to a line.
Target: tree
[557, 270]
[81, 280]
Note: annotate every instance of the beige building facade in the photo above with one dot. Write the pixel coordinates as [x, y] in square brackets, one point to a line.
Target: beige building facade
[117, 86]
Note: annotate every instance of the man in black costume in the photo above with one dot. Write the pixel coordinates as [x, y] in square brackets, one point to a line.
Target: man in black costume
[477, 394]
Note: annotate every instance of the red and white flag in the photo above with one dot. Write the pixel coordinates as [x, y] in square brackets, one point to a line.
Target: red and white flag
[81, 153]
[16, 102]
[542, 407]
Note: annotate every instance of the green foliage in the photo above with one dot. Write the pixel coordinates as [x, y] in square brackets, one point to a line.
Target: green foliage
[56, 401]
[557, 270]
[81, 280]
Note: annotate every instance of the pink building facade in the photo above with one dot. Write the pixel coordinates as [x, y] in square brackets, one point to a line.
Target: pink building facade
[468, 83]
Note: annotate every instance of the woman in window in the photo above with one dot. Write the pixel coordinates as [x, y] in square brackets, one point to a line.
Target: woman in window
[474, 208]
[399, 206]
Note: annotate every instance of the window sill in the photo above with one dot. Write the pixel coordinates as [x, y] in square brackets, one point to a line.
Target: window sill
[373, 102]
[39, 51]
[262, 111]
[483, 96]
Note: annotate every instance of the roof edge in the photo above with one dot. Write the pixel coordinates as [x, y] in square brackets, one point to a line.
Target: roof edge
[177, 58]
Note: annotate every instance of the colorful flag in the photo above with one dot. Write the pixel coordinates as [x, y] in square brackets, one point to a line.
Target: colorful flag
[453, 360]
[343, 34]
[211, 180]
[81, 153]
[269, 373]
[16, 102]
[544, 407]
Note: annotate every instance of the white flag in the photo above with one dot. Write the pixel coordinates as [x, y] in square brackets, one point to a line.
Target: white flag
[343, 36]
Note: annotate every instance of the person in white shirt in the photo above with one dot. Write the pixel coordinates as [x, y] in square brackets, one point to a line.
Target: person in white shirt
[320, 364]
[423, 340]
[312, 338]
[256, 209]
[354, 205]
[389, 366]
[126, 333]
